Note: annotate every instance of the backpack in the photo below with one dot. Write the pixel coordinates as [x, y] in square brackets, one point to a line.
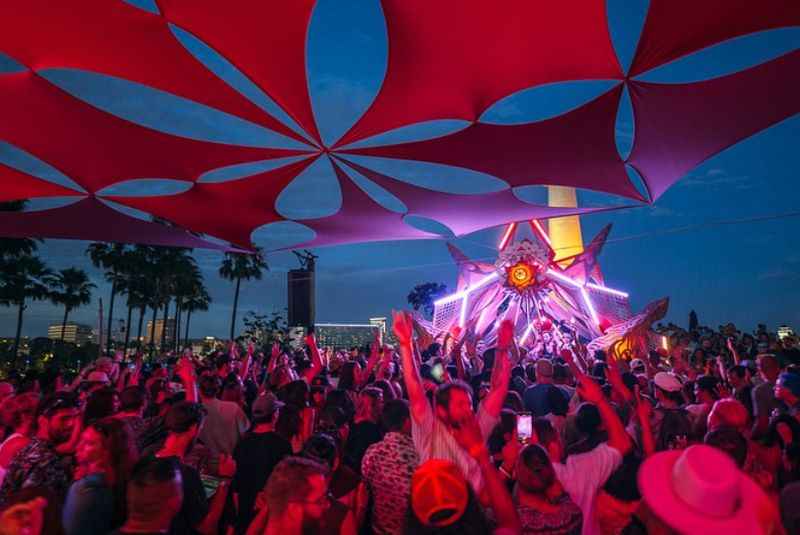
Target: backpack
[675, 430]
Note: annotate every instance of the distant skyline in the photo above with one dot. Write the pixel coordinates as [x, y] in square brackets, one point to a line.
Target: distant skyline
[724, 241]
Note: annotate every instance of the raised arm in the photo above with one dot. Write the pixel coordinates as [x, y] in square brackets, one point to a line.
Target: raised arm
[590, 391]
[402, 327]
[248, 359]
[374, 358]
[643, 412]
[501, 374]
[316, 361]
[468, 435]
[185, 370]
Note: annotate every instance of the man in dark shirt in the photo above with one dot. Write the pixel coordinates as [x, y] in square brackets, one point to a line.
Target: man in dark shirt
[366, 430]
[256, 455]
[535, 397]
[39, 464]
[154, 497]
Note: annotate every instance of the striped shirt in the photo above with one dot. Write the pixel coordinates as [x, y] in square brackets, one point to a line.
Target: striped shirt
[434, 441]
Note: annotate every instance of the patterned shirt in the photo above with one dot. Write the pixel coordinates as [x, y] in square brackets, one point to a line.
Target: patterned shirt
[567, 520]
[37, 465]
[387, 468]
[434, 441]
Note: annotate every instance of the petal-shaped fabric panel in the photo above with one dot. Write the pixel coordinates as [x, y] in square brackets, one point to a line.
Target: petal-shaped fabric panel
[453, 59]
[227, 210]
[16, 185]
[576, 149]
[96, 149]
[359, 216]
[465, 213]
[675, 28]
[112, 37]
[264, 39]
[679, 126]
[90, 219]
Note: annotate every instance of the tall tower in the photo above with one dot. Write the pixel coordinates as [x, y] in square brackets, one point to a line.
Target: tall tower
[565, 232]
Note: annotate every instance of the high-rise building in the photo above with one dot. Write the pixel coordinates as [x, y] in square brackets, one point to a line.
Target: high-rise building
[169, 334]
[74, 333]
[344, 335]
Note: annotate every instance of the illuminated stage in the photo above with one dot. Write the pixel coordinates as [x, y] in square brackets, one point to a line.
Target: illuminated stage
[549, 301]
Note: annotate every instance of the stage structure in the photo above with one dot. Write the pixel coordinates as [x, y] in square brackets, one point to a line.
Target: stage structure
[546, 297]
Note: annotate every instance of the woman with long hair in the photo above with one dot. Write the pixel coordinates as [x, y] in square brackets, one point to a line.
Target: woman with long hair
[105, 456]
[18, 414]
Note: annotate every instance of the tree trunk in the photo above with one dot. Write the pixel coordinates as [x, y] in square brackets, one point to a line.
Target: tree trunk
[153, 331]
[111, 313]
[64, 323]
[177, 338]
[188, 317]
[235, 304]
[142, 312]
[19, 331]
[164, 326]
[127, 330]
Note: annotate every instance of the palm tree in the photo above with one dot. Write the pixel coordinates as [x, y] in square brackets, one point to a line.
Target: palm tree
[235, 267]
[198, 299]
[14, 247]
[21, 278]
[423, 295]
[110, 257]
[186, 283]
[70, 287]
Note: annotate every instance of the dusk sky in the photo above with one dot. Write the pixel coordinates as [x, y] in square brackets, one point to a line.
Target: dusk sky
[724, 241]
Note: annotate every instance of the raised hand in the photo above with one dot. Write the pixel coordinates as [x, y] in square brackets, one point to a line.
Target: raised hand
[505, 335]
[589, 390]
[401, 325]
[227, 466]
[468, 435]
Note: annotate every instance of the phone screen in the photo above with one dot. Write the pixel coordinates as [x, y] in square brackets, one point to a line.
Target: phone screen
[210, 484]
[524, 427]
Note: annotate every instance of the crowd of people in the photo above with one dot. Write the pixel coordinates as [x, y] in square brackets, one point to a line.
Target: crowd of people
[439, 434]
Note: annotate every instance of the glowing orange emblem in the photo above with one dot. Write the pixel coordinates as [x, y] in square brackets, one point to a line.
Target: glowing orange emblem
[521, 275]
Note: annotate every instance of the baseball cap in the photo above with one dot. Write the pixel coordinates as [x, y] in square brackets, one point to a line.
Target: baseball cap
[439, 493]
[667, 381]
[265, 405]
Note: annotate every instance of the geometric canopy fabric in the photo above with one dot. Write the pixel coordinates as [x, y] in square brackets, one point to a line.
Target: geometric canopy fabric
[447, 59]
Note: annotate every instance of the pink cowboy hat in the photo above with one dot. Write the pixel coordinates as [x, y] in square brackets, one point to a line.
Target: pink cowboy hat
[700, 490]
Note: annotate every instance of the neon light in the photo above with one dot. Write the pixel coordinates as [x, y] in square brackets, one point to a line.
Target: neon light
[463, 316]
[507, 235]
[542, 233]
[564, 278]
[664, 343]
[466, 291]
[606, 289]
[590, 306]
[345, 325]
[526, 333]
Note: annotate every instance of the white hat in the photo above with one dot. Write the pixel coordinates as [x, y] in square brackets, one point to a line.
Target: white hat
[667, 381]
[98, 377]
[700, 490]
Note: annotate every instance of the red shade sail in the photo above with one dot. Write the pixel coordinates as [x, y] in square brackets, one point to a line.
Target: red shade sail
[453, 59]
[15, 185]
[117, 39]
[465, 213]
[227, 210]
[91, 219]
[576, 149]
[359, 215]
[679, 126]
[675, 28]
[266, 40]
[97, 149]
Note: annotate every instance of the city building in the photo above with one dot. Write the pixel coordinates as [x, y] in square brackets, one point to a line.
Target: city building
[169, 334]
[74, 333]
[784, 331]
[344, 335]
